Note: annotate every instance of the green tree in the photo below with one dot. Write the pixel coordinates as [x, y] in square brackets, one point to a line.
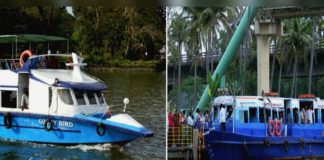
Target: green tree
[105, 34]
[178, 32]
[297, 38]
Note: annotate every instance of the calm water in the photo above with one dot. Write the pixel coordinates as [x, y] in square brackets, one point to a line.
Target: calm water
[146, 92]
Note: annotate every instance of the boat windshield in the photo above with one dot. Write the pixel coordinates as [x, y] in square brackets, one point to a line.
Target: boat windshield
[92, 97]
[79, 95]
[65, 96]
[89, 97]
[100, 97]
[51, 62]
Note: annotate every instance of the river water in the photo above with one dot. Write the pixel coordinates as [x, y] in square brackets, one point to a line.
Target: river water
[146, 92]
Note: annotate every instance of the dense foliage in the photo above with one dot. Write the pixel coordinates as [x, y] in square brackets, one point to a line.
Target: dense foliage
[102, 35]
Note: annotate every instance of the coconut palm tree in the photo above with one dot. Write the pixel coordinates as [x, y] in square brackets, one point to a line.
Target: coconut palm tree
[314, 35]
[297, 39]
[209, 22]
[192, 46]
[282, 57]
[178, 33]
[173, 58]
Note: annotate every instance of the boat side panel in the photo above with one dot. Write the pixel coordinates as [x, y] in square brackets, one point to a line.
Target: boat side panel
[29, 127]
[221, 145]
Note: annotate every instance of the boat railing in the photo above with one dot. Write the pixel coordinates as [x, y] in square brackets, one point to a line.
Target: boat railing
[9, 64]
[181, 136]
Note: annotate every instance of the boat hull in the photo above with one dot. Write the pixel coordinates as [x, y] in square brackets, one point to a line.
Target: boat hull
[67, 130]
[224, 145]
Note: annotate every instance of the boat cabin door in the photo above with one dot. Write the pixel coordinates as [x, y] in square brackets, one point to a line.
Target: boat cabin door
[23, 90]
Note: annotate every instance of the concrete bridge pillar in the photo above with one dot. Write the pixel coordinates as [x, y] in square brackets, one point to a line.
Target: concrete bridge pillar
[264, 29]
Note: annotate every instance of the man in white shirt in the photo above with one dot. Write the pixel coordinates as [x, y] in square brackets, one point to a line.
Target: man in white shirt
[24, 100]
[190, 121]
[222, 118]
[309, 115]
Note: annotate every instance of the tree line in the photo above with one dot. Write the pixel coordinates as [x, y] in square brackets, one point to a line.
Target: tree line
[102, 35]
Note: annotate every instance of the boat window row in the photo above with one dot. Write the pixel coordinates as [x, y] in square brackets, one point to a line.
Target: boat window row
[293, 115]
[82, 97]
[259, 115]
[306, 114]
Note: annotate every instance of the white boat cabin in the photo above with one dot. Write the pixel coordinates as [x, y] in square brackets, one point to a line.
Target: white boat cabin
[55, 83]
[255, 109]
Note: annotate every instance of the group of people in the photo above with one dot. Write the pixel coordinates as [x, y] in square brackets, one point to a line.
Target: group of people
[177, 119]
[179, 124]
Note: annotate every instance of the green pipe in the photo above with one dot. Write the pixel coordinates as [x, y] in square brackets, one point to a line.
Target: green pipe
[222, 82]
[229, 53]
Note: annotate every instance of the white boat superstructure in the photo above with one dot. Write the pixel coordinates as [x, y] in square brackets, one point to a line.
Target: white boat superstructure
[62, 98]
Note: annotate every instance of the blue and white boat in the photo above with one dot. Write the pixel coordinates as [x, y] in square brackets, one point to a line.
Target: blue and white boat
[64, 105]
[266, 128]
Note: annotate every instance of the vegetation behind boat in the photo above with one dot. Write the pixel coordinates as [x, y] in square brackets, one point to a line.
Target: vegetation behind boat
[124, 37]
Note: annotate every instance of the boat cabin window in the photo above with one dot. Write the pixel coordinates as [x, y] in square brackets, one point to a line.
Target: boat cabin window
[65, 96]
[322, 114]
[288, 120]
[79, 97]
[253, 115]
[91, 97]
[261, 115]
[281, 113]
[246, 117]
[295, 115]
[316, 116]
[100, 97]
[242, 115]
[268, 114]
[274, 114]
[229, 111]
[9, 99]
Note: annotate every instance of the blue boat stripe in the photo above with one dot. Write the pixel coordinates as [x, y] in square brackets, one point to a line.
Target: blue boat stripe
[57, 129]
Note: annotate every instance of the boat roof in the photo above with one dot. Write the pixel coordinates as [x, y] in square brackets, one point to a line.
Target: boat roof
[257, 101]
[24, 38]
[250, 101]
[67, 79]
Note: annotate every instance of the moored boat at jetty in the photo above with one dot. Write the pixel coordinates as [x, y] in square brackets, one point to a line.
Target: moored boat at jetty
[266, 127]
[48, 99]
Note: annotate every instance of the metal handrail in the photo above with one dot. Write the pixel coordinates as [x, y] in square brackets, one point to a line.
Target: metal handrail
[180, 136]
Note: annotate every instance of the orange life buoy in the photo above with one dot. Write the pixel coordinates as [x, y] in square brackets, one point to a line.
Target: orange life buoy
[271, 127]
[24, 56]
[278, 128]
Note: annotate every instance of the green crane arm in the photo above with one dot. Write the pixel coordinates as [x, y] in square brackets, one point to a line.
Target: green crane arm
[229, 53]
